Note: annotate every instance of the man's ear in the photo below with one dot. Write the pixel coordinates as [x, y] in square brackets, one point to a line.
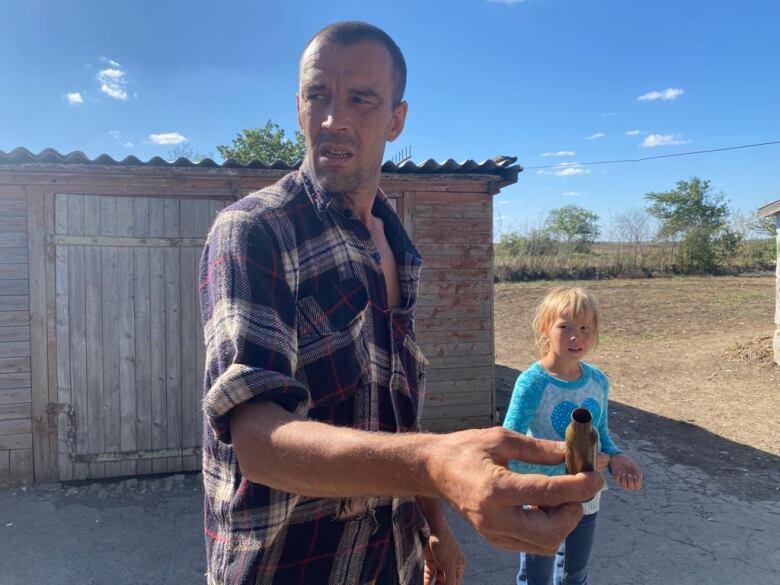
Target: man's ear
[398, 122]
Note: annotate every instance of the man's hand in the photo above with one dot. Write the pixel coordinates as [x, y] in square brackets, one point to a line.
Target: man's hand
[444, 561]
[625, 472]
[469, 468]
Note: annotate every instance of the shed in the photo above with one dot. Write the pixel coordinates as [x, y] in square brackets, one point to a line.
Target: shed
[101, 353]
[773, 210]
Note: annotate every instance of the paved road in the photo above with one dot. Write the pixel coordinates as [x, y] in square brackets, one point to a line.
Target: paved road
[683, 528]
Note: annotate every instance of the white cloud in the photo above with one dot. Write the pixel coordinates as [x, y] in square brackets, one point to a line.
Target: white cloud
[571, 194]
[561, 153]
[596, 136]
[167, 138]
[128, 145]
[572, 170]
[74, 98]
[653, 140]
[541, 172]
[633, 133]
[113, 83]
[109, 61]
[115, 133]
[670, 93]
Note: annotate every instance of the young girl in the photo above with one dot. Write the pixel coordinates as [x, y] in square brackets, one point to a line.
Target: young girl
[566, 328]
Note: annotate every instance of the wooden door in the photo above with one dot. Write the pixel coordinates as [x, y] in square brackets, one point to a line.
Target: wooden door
[129, 340]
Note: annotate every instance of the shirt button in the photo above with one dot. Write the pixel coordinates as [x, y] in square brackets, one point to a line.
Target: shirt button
[377, 256]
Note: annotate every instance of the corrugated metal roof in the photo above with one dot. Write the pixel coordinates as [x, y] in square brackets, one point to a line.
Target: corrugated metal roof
[503, 166]
[770, 209]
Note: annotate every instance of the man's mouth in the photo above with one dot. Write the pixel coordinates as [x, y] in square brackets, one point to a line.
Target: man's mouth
[335, 152]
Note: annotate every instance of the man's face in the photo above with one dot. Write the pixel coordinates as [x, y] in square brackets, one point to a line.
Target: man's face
[346, 112]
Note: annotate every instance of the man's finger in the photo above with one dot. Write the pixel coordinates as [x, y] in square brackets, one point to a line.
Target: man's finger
[530, 450]
[542, 490]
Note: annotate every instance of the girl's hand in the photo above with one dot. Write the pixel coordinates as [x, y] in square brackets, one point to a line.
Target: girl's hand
[625, 472]
[602, 462]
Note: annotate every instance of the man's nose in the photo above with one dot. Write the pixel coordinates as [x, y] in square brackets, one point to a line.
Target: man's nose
[336, 116]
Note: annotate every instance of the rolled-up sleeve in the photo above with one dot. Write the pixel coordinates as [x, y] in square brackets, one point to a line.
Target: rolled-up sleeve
[248, 310]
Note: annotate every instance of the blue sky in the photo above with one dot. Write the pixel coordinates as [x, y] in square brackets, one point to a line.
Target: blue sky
[524, 78]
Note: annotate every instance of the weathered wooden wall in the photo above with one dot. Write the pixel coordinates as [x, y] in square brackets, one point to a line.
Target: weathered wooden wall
[101, 353]
[16, 461]
[776, 341]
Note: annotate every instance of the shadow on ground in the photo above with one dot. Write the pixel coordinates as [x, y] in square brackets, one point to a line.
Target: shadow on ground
[739, 470]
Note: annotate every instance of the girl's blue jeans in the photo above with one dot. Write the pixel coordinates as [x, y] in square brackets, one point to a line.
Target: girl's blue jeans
[539, 569]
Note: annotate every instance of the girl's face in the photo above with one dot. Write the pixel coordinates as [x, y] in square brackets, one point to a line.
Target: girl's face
[570, 339]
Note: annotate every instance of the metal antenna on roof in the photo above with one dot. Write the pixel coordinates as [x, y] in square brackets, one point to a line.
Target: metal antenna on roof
[402, 155]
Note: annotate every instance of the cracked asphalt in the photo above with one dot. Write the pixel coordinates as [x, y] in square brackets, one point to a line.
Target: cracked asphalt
[683, 528]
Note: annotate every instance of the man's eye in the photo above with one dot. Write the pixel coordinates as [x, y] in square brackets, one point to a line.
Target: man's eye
[359, 100]
[314, 97]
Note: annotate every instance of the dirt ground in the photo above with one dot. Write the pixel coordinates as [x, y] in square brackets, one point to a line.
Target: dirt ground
[688, 360]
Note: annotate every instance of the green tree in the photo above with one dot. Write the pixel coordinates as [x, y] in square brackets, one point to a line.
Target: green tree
[267, 145]
[575, 225]
[692, 204]
[697, 215]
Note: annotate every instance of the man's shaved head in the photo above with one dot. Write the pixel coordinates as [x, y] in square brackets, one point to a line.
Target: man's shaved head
[354, 32]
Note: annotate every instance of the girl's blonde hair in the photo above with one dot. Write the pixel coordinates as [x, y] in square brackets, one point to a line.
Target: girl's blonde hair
[573, 301]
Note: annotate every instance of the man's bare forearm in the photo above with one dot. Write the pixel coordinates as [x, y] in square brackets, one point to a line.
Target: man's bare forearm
[306, 457]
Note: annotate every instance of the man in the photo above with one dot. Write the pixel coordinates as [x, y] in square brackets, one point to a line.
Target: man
[313, 464]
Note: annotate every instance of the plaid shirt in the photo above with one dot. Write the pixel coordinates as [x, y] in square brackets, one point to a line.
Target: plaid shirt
[294, 307]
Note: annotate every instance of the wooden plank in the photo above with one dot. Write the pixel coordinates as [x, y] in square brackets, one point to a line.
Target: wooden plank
[62, 343]
[173, 341]
[458, 263]
[14, 349]
[13, 239]
[479, 275]
[126, 332]
[5, 469]
[449, 425]
[439, 411]
[452, 210]
[142, 324]
[454, 325]
[15, 411]
[460, 250]
[95, 387]
[443, 362]
[453, 185]
[454, 236]
[455, 399]
[140, 455]
[409, 212]
[432, 286]
[14, 256]
[14, 303]
[15, 426]
[471, 373]
[111, 314]
[128, 242]
[14, 271]
[14, 333]
[15, 365]
[15, 380]
[126, 215]
[15, 395]
[202, 225]
[58, 417]
[433, 198]
[157, 337]
[453, 300]
[448, 226]
[453, 336]
[14, 287]
[13, 223]
[80, 314]
[21, 441]
[13, 207]
[451, 349]
[446, 312]
[189, 316]
[21, 467]
[14, 318]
